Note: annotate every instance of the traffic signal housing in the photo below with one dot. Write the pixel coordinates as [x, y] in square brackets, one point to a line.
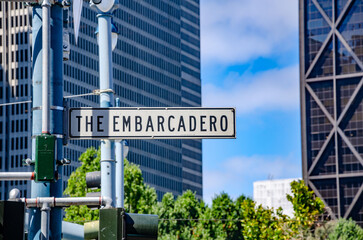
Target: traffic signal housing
[93, 181]
[12, 220]
[116, 224]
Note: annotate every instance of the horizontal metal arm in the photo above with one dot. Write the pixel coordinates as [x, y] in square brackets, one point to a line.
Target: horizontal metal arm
[30, 1]
[13, 176]
[66, 202]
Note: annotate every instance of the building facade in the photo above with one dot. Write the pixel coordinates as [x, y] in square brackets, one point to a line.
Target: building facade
[272, 194]
[15, 86]
[331, 79]
[156, 63]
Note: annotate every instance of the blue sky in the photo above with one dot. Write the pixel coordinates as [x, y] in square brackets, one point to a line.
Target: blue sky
[249, 54]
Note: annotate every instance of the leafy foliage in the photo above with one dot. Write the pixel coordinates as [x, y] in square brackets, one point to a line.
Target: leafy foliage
[139, 198]
[187, 217]
[346, 230]
[180, 216]
[307, 207]
[77, 187]
[239, 219]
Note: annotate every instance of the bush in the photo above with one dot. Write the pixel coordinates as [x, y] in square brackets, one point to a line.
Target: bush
[346, 230]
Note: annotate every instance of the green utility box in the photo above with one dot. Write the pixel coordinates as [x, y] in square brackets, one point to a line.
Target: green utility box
[115, 224]
[45, 158]
[12, 220]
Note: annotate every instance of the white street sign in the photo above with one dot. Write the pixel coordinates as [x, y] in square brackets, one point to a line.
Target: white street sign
[149, 123]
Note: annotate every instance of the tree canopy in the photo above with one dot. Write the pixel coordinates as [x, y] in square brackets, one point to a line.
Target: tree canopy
[139, 198]
[187, 217]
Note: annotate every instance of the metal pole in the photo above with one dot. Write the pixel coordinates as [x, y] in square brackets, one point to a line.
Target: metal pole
[119, 170]
[122, 174]
[46, 65]
[106, 99]
[56, 113]
[118, 174]
[51, 74]
[66, 202]
[45, 221]
[11, 176]
[37, 189]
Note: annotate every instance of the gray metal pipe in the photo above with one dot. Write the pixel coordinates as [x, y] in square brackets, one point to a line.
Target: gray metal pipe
[119, 174]
[44, 225]
[119, 169]
[30, 1]
[14, 176]
[66, 202]
[46, 64]
[72, 231]
[37, 189]
[106, 100]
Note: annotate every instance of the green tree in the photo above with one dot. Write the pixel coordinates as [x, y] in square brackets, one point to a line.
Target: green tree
[186, 217]
[225, 210]
[139, 198]
[165, 210]
[179, 218]
[307, 208]
[77, 187]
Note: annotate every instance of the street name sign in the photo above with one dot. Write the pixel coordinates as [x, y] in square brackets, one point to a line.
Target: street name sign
[151, 123]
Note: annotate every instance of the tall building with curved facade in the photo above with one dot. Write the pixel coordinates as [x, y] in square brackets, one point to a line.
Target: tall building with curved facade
[156, 63]
[331, 78]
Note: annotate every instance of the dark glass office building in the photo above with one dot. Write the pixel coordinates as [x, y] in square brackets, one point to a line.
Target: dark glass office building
[331, 78]
[156, 63]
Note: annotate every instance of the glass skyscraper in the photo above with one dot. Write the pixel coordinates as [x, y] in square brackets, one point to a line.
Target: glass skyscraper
[331, 77]
[156, 63]
[15, 86]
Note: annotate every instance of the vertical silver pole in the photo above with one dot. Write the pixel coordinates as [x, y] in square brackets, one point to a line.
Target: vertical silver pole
[119, 170]
[119, 173]
[106, 99]
[46, 66]
[122, 171]
[37, 189]
[45, 212]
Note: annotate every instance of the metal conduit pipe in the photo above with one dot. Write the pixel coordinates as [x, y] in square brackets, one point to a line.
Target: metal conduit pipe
[66, 202]
[45, 219]
[13, 176]
[46, 64]
[29, 1]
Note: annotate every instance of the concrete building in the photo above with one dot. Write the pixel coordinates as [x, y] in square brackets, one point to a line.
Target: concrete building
[331, 79]
[156, 63]
[272, 194]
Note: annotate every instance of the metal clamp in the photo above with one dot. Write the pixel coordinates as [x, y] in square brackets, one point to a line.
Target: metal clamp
[59, 108]
[107, 160]
[28, 162]
[64, 161]
[99, 91]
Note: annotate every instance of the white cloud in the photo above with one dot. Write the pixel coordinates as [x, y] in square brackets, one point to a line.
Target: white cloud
[236, 174]
[276, 89]
[235, 31]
